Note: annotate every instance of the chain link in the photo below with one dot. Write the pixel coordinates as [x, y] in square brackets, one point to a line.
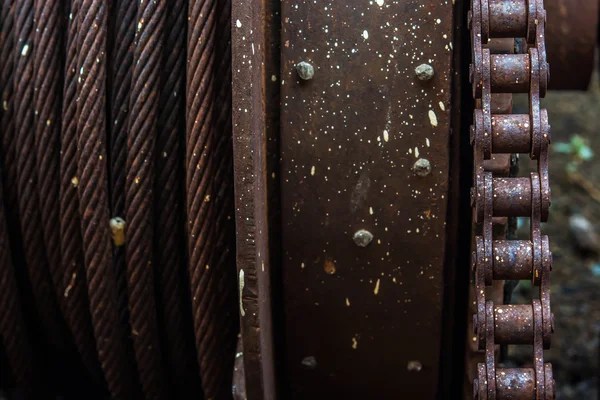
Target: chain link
[525, 71]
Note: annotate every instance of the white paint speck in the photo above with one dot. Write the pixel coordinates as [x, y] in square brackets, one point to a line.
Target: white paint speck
[371, 210]
[416, 152]
[312, 171]
[365, 34]
[376, 290]
[241, 285]
[380, 2]
[427, 142]
[386, 135]
[433, 118]
[238, 23]
[442, 106]
[25, 49]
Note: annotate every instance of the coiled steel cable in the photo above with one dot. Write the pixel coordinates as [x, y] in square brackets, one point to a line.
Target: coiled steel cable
[139, 175]
[74, 286]
[7, 115]
[200, 167]
[13, 334]
[169, 260]
[120, 84]
[29, 202]
[93, 193]
[139, 196]
[218, 321]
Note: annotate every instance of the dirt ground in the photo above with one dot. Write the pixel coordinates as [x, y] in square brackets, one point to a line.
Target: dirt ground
[576, 273]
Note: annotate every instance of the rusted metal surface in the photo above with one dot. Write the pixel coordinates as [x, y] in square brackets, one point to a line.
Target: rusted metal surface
[571, 38]
[494, 197]
[256, 80]
[369, 317]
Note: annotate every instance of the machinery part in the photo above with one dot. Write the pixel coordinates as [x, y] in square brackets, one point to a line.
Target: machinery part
[571, 35]
[350, 144]
[505, 197]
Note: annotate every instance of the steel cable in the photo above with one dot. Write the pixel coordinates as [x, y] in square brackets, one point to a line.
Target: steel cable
[120, 84]
[139, 196]
[7, 116]
[93, 193]
[13, 334]
[134, 123]
[200, 166]
[73, 282]
[27, 185]
[169, 262]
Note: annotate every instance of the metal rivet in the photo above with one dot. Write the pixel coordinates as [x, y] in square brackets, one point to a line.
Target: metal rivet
[305, 70]
[422, 167]
[309, 362]
[363, 238]
[424, 72]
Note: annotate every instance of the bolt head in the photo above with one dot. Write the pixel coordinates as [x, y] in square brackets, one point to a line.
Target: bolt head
[305, 70]
[424, 72]
[363, 238]
[422, 167]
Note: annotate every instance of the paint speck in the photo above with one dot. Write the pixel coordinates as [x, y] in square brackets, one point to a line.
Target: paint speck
[414, 366]
[207, 198]
[442, 106]
[354, 343]
[5, 105]
[371, 210]
[74, 181]
[241, 287]
[312, 170]
[329, 267]
[273, 78]
[417, 152]
[386, 135]
[347, 302]
[238, 23]
[302, 265]
[376, 290]
[25, 50]
[433, 118]
[380, 2]
[427, 142]
[365, 34]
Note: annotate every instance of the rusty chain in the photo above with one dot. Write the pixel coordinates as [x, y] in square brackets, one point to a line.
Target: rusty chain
[525, 71]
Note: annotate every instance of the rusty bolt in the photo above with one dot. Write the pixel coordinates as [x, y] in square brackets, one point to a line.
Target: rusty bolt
[363, 238]
[424, 72]
[309, 362]
[305, 70]
[422, 167]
